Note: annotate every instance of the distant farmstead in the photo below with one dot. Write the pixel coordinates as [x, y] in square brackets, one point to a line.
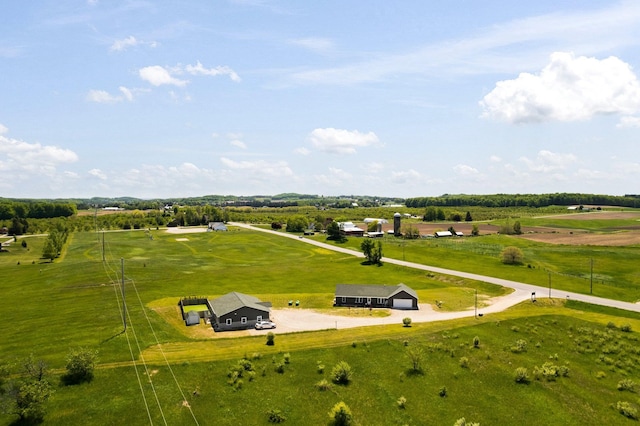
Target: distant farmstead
[216, 226]
[350, 229]
[376, 296]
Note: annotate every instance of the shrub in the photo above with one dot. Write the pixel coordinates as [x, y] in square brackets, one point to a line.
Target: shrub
[512, 256]
[275, 416]
[279, 367]
[286, 358]
[626, 328]
[406, 321]
[627, 385]
[522, 375]
[627, 409]
[464, 362]
[80, 365]
[601, 375]
[320, 367]
[476, 342]
[463, 422]
[270, 338]
[341, 414]
[341, 373]
[323, 385]
[402, 401]
[519, 346]
[415, 355]
[442, 391]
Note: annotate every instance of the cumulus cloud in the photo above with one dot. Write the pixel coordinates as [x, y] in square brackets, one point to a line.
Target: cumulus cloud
[26, 158]
[339, 141]
[405, 176]
[569, 88]
[123, 44]
[104, 97]
[465, 170]
[629, 121]
[198, 69]
[238, 144]
[158, 76]
[97, 173]
[547, 161]
[259, 168]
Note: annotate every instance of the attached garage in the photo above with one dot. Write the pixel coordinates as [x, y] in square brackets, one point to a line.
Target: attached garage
[402, 303]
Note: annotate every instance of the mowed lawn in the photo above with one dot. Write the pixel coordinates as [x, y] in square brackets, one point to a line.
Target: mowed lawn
[76, 301]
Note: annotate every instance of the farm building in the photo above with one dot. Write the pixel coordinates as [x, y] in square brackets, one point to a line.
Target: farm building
[376, 296]
[368, 220]
[441, 234]
[193, 318]
[349, 228]
[237, 311]
[217, 226]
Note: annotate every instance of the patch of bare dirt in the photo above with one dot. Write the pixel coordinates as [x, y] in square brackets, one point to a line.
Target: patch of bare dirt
[586, 238]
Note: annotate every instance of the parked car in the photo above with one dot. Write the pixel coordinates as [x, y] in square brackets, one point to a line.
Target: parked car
[261, 325]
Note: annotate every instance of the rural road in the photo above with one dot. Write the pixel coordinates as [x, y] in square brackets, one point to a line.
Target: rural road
[291, 319]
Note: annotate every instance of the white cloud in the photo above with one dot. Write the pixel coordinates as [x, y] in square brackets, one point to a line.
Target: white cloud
[123, 44]
[547, 161]
[629, 121]
[198, 69]
[98, 174]
[104, 97]
[315, 44]
[259, 168]
[405, 176]
[336, 178]
[502, 48]
[3, 129]
[569, 88]
[465, 170]
[495, 159]
[158, 76]
[238, 144]
[338, 141]
[302, 151]
[27, 159]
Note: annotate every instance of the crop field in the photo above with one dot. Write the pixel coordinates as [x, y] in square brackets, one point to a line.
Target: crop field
[160, 372]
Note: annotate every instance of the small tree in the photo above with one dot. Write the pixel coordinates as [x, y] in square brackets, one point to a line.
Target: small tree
[49, 250]
[341, 373]
[271, 339]
[80, 365]
[333, 232]
[372, 251]
[512, 256]
[517, 228]
[475, 231]
[468, 217]
[341, 414]
[415, 355]
[406, 321]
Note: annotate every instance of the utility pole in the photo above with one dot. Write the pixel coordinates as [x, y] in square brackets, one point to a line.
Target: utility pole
[124, 305]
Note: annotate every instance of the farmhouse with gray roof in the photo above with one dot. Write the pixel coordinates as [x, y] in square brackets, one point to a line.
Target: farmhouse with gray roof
[237, 311]
[376, 296]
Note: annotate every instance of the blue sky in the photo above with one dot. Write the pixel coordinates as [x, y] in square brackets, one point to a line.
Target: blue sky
[244, 97]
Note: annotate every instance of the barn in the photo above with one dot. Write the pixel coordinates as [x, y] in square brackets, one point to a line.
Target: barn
[376, 296]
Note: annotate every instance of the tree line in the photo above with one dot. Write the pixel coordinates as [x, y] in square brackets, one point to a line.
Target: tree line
[35, 209]
[525, 200]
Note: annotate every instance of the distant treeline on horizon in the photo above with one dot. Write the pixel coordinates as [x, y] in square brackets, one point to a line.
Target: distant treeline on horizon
[526, 200]
[38, 208]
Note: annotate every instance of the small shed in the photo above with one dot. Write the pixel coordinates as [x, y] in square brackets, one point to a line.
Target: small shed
[193, 318]
[217, 226]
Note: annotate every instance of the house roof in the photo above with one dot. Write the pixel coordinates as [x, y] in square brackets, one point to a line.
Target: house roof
[372, 290]
[233, 301]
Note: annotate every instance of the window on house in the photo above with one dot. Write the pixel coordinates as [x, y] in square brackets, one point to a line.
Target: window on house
[368, 300]
[344, 299]
[358, 299]
[243, 320]
[381, 301]
[228, 321]
[259, 318]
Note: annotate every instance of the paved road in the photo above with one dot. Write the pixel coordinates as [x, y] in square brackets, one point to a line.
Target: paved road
[521, 292]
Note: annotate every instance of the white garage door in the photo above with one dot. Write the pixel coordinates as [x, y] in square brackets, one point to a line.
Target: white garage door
[403, 303]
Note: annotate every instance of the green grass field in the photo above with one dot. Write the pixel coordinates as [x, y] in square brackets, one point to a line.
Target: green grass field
[155, 373]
